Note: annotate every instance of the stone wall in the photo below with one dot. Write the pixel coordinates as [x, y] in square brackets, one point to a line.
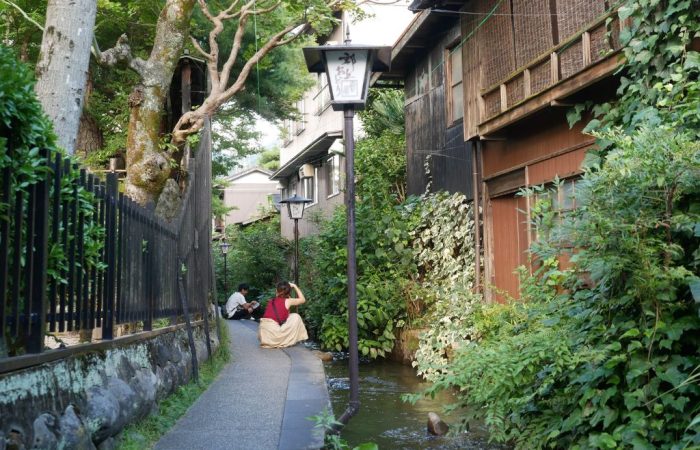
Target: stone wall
[85, 399]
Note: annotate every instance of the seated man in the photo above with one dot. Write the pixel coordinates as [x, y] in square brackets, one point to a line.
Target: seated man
[237, 308]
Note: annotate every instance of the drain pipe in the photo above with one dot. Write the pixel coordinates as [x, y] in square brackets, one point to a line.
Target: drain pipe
[354, 368]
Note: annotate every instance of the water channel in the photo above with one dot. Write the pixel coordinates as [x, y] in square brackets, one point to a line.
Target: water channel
[387, 421]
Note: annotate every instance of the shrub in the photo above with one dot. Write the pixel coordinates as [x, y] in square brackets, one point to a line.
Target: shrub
[610, 358]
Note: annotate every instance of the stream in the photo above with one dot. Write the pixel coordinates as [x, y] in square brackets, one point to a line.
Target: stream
[387, 421]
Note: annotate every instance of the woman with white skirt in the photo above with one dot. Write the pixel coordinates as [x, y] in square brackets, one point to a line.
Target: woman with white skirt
[278, 327]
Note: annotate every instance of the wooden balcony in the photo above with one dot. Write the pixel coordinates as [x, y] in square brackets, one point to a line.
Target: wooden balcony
[582, 59]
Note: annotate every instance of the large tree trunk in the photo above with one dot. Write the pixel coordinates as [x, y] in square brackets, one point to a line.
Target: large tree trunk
[90, 138]
[147, 164]
[63, 65]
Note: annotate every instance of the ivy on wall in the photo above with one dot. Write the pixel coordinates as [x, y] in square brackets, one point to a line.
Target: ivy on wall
[604, 354]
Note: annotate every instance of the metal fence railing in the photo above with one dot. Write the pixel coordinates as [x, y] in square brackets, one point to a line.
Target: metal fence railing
[76, 254]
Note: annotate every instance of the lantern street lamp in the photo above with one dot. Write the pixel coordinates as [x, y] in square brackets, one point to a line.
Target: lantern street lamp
[224, 251]
[295, 208]
[348, 68]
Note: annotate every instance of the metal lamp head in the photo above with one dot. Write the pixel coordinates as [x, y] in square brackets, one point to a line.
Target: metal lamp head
[224, 247]
[295, 206]
[348, 68]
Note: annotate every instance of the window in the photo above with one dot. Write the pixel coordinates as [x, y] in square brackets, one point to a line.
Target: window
[550, 207]
[333, 175]
[323, 96]
[287, 132]
[309, 186]
[300, 123]
[455, 98]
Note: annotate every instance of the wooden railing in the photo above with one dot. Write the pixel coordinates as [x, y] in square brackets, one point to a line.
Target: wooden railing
[565, 60]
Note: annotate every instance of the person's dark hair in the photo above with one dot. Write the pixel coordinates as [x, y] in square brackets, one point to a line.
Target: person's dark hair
[283, 289]
[243, 286]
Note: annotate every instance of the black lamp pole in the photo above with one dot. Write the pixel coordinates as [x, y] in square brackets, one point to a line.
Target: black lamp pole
[295, 208]
[354, 359]
[224, 250]
[348, 69]
[296, 251]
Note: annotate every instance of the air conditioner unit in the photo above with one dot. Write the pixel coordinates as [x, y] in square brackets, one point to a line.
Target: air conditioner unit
[306, 171]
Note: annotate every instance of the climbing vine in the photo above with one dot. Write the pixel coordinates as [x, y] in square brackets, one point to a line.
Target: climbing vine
[604, 353]
[659, 79]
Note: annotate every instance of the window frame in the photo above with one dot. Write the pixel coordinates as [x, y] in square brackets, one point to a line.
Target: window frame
[313, 183]
[333, 176]
[323, 94]
[450, 86]
[300, 125]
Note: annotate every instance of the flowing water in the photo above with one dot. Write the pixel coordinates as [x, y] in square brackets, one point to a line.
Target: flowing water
[387, 421]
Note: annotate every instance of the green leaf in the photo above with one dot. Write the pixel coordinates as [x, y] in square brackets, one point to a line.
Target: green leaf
[634, 332]
[695, 289]
[591, 126]
[625, 11]
[692, 61]
[367, 446]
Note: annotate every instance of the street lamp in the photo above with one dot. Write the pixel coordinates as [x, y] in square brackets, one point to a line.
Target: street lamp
[348, 68]
[224, 251]
[295, 208]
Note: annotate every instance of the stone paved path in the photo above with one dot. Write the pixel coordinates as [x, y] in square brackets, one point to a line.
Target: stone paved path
[259, 401]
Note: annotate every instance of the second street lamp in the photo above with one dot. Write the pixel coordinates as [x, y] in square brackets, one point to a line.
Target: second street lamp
[224, 251]
[295, 208]
[348, 68]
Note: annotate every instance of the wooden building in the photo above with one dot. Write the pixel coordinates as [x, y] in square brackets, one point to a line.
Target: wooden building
[511, 69]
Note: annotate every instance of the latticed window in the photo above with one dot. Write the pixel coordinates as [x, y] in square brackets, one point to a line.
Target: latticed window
[455, 96]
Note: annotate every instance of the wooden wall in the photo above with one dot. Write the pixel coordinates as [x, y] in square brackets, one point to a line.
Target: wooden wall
[540, 138]
[428, 136]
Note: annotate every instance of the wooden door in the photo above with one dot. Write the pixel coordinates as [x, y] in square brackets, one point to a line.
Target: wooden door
[510, 244]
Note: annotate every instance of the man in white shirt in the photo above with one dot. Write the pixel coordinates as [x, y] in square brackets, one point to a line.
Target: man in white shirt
[237, 308]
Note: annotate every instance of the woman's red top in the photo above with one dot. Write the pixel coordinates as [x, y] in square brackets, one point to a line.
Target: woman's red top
[282, 311]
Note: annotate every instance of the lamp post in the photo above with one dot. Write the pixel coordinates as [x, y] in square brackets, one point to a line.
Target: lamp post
[224, 251]
[295, 209]
[348, 68]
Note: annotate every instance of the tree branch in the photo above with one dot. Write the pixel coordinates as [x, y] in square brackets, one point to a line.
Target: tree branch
[201, 51]
[303, 28]
[26, 16]
[264, 50]
[237, 42]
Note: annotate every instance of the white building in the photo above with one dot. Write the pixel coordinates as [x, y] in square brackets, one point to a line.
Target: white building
[250, 192]
[311, 158]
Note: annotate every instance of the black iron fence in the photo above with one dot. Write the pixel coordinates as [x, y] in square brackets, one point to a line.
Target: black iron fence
[76, 254]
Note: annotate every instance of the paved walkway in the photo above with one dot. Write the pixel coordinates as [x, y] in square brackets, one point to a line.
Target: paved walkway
[259, 401]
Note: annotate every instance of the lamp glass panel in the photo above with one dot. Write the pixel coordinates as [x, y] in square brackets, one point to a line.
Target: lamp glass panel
[296, 210]
[346, 72]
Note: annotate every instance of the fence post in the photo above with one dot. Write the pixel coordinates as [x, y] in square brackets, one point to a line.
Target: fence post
[188, 322]
[37, 319]
[111, 194]
[147, 264]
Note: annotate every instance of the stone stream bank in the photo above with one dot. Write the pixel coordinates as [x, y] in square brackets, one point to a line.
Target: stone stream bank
[84, 400]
